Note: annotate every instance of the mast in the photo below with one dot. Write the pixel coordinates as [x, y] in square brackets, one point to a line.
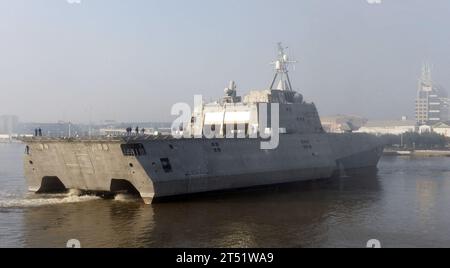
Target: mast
[281, 71]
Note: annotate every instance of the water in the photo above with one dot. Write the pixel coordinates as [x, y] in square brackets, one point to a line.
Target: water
[404, 205]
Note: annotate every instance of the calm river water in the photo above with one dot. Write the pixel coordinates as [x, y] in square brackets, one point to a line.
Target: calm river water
[406, 204]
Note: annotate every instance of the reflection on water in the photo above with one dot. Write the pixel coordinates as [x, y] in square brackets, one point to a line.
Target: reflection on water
[296, 215]
[403, 204]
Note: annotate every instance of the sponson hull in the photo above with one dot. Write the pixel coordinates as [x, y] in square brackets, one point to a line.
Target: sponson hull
[267, 137]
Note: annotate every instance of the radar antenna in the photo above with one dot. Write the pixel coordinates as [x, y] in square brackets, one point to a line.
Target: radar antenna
[281, 70]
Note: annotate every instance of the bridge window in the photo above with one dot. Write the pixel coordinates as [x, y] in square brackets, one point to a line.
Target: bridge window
[134, 149]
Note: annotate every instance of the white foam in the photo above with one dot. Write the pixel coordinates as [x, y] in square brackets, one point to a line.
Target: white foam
[33, 200]
[125, 198]
[74, 192]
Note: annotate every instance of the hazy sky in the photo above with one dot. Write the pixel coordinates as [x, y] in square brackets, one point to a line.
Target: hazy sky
[131, 60]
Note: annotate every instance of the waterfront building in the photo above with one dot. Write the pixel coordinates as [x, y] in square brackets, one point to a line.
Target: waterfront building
[424, 129]
[391, 127]
[342, 123]
[442, 129]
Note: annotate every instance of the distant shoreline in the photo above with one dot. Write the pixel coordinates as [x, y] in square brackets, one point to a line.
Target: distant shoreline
[418, 153]
[3, 141]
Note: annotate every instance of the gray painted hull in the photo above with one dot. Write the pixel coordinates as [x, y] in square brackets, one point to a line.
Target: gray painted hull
[171, 167]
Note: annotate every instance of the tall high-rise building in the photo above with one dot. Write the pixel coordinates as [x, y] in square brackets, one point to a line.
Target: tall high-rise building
[432, 103]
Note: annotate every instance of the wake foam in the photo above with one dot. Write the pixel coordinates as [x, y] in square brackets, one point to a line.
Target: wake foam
[34, 200]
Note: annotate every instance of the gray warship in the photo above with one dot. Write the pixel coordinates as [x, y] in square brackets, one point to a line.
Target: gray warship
[243, 151]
